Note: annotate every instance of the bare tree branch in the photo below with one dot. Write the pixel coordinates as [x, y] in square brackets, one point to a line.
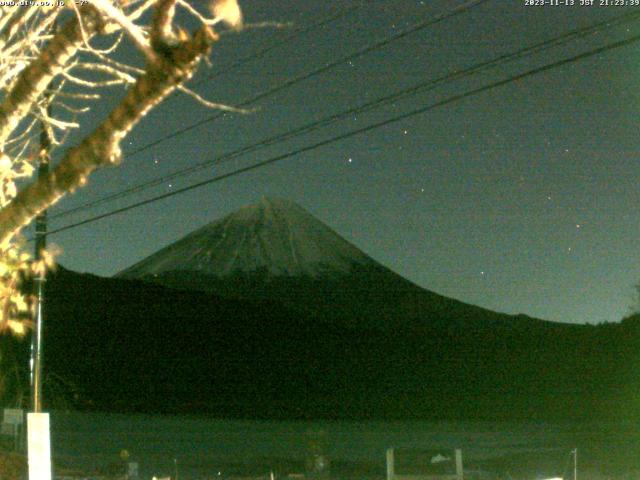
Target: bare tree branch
[102, 147]
[32, 56]
[127, 25]
[34, 79]
[213, 105]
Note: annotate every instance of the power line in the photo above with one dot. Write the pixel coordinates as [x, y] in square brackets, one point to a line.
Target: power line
[254, 56]
[419, 88]
[283, 41]
[289, 83]
[359, 131]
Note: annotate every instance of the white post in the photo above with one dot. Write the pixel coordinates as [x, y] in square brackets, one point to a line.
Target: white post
[459, 471]
[390, 466]
[39, 446]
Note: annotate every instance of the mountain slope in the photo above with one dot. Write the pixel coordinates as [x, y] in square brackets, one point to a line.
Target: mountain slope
[126, 345]
[274, 236]
[275, 250]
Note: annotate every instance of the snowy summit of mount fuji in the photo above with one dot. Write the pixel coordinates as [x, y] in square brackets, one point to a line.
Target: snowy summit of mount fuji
[275, 236]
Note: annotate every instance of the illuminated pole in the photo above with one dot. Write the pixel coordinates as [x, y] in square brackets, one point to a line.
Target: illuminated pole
[40, 279]
[38, 425]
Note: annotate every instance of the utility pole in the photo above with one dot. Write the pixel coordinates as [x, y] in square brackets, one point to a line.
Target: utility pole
[44, 157]
[38, 425]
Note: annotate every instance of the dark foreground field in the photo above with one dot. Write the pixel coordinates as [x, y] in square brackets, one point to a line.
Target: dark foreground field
[354, 449]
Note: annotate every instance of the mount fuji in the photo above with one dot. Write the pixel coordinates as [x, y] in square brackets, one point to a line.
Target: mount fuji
[274, 237]
[276, 250]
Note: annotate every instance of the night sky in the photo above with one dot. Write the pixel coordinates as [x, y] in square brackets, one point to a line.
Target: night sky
[521, 199]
